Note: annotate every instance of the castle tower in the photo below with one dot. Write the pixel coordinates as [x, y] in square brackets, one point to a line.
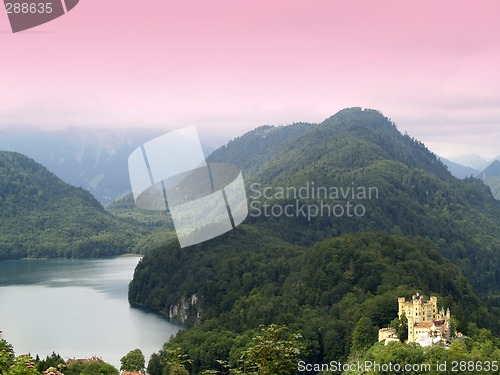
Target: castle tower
[401, 304]
[417, 308]
[441, 314]
[434, 302]
[411, 331]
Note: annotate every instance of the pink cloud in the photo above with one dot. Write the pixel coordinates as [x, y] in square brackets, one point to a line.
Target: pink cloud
[232, 65]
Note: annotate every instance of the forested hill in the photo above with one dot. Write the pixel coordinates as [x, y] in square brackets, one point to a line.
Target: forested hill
[41, 216]
[323, 275]
[360, 149]
[232, 284]
[353, 138]
[416, 195]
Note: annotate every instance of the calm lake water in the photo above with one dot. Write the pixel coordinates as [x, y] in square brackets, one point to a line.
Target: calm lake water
[77, 308]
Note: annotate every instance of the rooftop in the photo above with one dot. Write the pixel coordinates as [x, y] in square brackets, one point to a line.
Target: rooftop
[94, 358]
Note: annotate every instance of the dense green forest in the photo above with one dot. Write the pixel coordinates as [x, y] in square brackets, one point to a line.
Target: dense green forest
[417, 196]
[158, 224]
[41, 216]
[324, 275]
[322, 292]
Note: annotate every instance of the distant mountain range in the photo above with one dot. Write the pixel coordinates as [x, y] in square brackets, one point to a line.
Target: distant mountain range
[459, 170]
[471, 160]
[96, 160]
[490, 174]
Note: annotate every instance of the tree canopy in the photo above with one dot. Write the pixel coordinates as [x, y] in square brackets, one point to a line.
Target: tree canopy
[133, 361]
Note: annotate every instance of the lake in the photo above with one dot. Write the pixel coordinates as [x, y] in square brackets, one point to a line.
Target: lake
[77, 308]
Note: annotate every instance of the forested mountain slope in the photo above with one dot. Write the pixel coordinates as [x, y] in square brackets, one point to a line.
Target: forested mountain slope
[421, 230]
[230, 285]
[359, 149]
[41, 216]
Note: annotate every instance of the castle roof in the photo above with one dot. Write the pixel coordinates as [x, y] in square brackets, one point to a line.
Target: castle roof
[72, 361]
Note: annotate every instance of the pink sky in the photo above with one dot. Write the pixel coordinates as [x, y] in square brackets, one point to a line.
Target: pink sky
[229, 66]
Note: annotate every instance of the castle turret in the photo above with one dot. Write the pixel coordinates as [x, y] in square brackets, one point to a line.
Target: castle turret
[401, 304]
[434, 302]
[441, 314]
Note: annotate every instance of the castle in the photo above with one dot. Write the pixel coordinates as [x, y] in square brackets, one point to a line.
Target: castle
[426, 324]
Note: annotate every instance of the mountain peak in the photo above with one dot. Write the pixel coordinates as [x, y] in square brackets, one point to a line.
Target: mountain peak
[358, 116]
[352, 138]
